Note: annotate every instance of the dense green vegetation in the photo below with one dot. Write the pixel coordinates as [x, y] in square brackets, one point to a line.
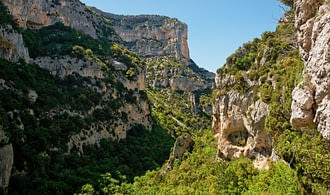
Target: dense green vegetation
[125, 56]
[308, 154]
[200, 173]
[42, 160]
[40, 130]
[58, 40]
[274, 64]
[172, 111]
[287, 2]
[48, 167]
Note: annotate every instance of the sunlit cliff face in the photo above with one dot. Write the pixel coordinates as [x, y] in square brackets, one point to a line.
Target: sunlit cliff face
[238, 124]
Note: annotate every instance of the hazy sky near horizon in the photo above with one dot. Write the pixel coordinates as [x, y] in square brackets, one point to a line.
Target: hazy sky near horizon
[216, 28]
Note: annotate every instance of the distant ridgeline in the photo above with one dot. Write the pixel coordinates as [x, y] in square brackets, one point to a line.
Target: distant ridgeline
[92, 103]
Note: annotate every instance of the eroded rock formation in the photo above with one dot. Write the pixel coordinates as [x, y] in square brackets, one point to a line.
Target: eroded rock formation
[6, 160]
[311, 104]
[238, 124]
[182, 145]
[40, 13]
[150, 35]
[11, 44]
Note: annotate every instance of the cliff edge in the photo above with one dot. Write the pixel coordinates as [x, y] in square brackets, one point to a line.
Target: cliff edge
[310, 105]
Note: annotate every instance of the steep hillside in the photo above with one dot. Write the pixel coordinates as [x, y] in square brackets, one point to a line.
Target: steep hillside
[178, 89]
[257, 149]
[252, 109]
[61, 125]
[253, 100]
[77, 102]
[93, 102]
[253, 96]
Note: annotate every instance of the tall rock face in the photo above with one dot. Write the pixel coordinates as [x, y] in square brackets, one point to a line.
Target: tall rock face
[152, 36]
[36, 14]
[238, 124]
[40, 13]
[251, 102]
[311, 105]
[11, 44]
[162, 41]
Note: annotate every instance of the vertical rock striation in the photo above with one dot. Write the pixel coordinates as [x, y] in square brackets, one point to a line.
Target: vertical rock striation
[152, 36]
[238, 124]
[11, 44]
[40, 13]
[311, 100]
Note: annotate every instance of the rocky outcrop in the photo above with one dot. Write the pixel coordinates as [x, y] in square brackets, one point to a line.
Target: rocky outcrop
[238, 124]
[183, 144]
[41, 13]
[302, 108]
[187, 84]
[310, 106]
[6, 164]
[114, 129]
[6, 161]
[134, 112]
[63, 66]
[150, 35]
[11, 44]
[169, 73]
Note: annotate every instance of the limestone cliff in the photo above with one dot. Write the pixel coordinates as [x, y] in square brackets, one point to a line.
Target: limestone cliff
[41, 13]
[310, 105]
[11, 44]
[163, 42]
[253, 95]
[238, 124]
[151, 36]
[147, 35]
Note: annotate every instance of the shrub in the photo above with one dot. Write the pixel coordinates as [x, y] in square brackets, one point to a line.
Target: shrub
[287, 2]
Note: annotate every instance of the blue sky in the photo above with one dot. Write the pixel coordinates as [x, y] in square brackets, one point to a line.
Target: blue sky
[216, 28]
